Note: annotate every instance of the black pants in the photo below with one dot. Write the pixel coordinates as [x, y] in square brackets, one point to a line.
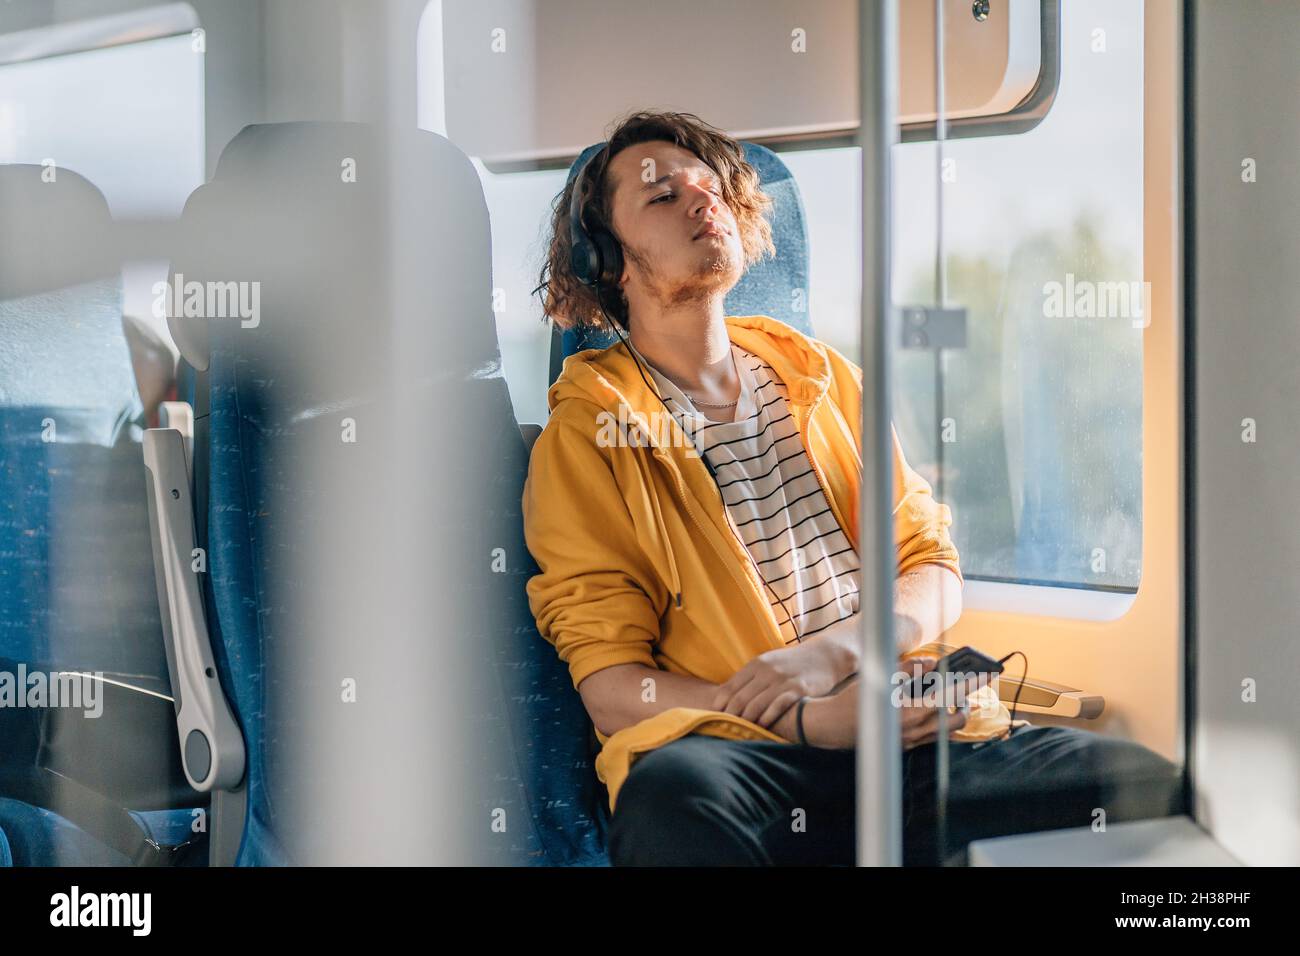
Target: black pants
[709, 801]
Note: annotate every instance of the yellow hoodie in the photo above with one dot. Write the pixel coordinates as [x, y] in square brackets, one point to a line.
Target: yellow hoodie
[638, 562]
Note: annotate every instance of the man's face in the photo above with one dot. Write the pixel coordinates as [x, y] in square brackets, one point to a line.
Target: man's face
[680, 240]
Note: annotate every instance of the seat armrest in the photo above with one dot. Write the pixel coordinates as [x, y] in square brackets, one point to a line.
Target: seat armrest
[1038, 696]
[212, 748]
[180, 416]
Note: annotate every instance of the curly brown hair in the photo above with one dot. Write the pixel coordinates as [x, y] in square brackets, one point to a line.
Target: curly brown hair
[565, 300]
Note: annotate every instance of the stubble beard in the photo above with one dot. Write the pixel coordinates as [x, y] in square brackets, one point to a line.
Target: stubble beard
[714, 273]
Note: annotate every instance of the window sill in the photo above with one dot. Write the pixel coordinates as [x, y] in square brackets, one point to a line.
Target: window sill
[1080, 604]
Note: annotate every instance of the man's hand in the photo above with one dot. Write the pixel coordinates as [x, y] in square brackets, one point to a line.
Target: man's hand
[832, 722]
[920, 722]
[773, 682]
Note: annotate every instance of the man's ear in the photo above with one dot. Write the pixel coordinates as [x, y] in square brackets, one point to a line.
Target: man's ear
[627, 260]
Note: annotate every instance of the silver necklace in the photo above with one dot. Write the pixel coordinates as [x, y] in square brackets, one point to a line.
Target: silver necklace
[696, 401]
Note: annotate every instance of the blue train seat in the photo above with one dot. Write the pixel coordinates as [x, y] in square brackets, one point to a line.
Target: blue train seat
[76, 576]
[268, 400]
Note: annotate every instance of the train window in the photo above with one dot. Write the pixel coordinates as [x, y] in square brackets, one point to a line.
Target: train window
[518, 205]
[129, 118]
[1032, 432]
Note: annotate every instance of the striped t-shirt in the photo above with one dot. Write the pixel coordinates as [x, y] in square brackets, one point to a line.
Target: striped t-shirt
[774, 499]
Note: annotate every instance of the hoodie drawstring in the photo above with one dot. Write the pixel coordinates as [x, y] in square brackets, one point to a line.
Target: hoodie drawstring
[674, 577]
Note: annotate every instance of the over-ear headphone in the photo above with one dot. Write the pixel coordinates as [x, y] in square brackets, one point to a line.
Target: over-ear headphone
[595, 257]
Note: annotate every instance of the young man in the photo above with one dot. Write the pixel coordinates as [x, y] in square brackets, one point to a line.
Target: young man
[693, 507]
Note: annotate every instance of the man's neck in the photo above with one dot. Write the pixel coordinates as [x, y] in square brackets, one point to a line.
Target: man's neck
[690, 346]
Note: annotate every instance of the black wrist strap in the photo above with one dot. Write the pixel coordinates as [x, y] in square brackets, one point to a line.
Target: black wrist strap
[798, 719]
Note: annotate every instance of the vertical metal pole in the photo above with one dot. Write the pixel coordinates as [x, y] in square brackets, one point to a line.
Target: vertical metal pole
[941, 296]
[879, 769]
[940, 251]
[940, 134]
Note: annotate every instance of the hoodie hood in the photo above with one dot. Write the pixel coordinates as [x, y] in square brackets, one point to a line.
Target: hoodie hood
[609, 377]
